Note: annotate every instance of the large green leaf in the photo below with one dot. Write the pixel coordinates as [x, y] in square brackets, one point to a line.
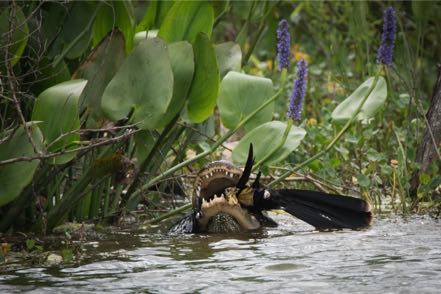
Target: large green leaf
[57, 109]
[240, 94]
[376, 99]
[115, 14]
[99, 68]
[15, 177]
[229, 57]
[182, 62]
[185, 20]
[19, 36]
[144, 84]
[205, 86]
[265, 139]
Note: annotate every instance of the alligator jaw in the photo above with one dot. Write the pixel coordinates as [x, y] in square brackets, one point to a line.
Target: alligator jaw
[230, 206]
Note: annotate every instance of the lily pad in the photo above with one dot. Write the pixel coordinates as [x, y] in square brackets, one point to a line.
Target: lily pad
[143, 84]
[241, 94]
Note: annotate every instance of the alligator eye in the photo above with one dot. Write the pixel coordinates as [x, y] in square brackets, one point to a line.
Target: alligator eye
[266, 194]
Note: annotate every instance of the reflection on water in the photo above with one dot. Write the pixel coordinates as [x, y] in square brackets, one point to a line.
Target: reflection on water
[394, 255]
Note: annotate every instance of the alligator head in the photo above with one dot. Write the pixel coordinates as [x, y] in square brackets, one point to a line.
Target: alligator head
[215, 201]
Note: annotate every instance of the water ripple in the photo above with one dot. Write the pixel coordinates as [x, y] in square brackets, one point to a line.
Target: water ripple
[395, 255]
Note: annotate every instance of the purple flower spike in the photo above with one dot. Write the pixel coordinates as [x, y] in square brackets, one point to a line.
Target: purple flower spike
[283, 44]
[385, 52]
[298, 91]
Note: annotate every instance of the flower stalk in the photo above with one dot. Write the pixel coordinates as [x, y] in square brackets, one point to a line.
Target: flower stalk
[283, 44]
[385, 52]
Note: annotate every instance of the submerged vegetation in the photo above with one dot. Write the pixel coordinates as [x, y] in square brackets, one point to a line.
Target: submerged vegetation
[108, 108]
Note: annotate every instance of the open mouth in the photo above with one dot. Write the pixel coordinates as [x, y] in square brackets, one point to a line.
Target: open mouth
[229, 206]
[215, 196]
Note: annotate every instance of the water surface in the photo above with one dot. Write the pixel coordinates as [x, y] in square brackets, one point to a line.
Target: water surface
[395, 255]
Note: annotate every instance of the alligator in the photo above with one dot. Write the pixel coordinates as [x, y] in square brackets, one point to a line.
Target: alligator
[224, 202]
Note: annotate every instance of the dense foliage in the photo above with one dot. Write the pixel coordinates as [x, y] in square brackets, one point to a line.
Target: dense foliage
[108, 107]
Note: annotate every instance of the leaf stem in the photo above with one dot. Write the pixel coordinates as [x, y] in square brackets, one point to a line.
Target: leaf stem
[169, 214]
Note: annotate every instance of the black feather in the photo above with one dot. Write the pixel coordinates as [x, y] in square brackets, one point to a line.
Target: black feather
[246, 171]
[324, 211]
[256, 183]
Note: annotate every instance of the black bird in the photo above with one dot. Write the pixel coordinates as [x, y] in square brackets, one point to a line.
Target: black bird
[224, 202]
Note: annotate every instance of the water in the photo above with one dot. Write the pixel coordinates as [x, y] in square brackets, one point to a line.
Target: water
[395, 255]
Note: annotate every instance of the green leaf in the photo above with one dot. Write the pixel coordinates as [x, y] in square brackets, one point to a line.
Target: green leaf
[16, 176]
[363, 181]
[99, 68]
[185, 20]
[114, 14]
[229, 57]
[266, 138]
[144, 84]
[57, 109]
[19, 36]
[30, 244]
[67, 255]
[205, 86]
[424, 178]
[240, 94]
[374, 155]
[182, 62]
[376, 99]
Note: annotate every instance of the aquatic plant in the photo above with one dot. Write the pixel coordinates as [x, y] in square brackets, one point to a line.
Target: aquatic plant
[298, 91]
[283, 44]
[386, 49]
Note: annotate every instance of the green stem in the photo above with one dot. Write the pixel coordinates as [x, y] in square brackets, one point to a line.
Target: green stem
[77, 191]
[169, 214]
[403, 171]
[155, 165]
[256, 39]
[148, 160]
[336, 138]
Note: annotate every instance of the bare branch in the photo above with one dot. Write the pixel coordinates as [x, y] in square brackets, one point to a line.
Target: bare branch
[63, 152]
[10, 74]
